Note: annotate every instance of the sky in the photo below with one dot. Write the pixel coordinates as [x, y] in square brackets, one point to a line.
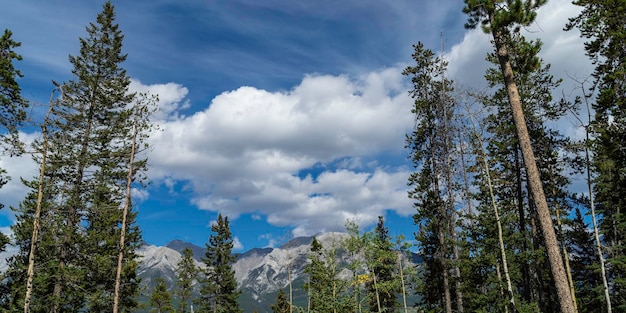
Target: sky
[287, 116]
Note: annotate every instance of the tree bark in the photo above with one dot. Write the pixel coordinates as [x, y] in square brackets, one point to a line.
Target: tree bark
[36, 218]
[545, 220]
[494, 206]
[127, 203]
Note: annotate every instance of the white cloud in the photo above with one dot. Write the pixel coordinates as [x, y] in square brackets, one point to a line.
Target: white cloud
[237, 246]
[242, 154]
[18, 167]
[170, 98]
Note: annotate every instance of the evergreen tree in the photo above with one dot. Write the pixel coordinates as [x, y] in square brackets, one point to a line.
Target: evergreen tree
[429, 150]
[219, 290]
[501, 19]
[327, 292]
[601, 22]
[85, 185]
[383, 288]
[160, 299]
[282, 303]
[510, 180]
[12, 107]
[585, 273]
[186, 273]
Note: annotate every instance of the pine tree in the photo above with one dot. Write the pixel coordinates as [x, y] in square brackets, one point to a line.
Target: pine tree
[12, 107]
[327, 292]
[429, 146]
[160, 299]
[219, 290]
[510, 180]
[383, 287]
[186, 273]
[282, 304]
[501, 19]
[584, 266]
[602, 23]
[85, 185]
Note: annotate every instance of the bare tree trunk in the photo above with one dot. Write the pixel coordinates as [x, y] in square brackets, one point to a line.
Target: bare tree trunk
[127, 206]
[559, 224]
[596, 235]
[402, 281]
[527, 290]
[556, 262]
[499, 275]
[36, 218]
[496, 214]
[376, 289]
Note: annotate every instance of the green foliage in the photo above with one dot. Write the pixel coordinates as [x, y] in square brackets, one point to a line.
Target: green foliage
[187, 274]
[382, 262]
[91, 133]
[429, 148]
[601, 22]
[327, 292]
[501, 14]
[160, 299]
[219, 290]
[282, 303]
[12, 105]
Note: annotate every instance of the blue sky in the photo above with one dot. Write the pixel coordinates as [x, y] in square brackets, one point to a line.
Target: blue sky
[287, 116]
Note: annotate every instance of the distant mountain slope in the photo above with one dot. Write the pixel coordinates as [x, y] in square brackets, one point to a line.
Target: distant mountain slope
[260, 272]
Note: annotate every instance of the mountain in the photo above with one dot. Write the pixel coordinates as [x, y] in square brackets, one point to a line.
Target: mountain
[260, 272]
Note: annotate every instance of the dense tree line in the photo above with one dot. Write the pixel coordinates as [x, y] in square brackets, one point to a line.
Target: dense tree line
[523, 240]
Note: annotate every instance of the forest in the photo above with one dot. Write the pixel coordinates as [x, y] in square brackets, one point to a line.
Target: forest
[497, 227]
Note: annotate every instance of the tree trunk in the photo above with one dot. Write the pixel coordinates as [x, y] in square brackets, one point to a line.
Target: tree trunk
[33, 241]
[494, 206]
[545, 220]
[127, 207]
[402, 282]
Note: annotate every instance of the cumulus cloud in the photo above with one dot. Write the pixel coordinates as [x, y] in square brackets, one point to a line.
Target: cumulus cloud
[242, 154]
[170, 98]
[237, 246]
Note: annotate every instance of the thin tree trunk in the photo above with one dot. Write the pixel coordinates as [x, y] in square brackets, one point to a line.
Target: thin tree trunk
[503, 256]
[402, 282]
[559, 224]
[127, 204]
[499, 276]
[596, 235]
[449, 186]
[527, 294]
[73, 216]
[34, 238]
[441, 250]
[556, 262]
[376, 290]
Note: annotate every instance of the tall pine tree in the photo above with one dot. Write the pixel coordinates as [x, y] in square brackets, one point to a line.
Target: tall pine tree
[429, 146]
[186, 273]
[85, 182]
[219, 290]
[383, 287]
[501, 19]
[601, 22]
